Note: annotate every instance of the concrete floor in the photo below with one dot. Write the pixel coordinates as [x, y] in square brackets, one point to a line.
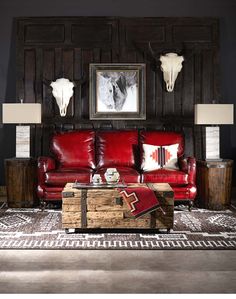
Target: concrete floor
[113, 271]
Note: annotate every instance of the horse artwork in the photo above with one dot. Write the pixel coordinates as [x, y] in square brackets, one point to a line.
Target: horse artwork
[62, 90]
[171, 65]
[117, 91]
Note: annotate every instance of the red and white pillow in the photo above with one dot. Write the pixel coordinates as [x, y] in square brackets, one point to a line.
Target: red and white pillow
[156, 157]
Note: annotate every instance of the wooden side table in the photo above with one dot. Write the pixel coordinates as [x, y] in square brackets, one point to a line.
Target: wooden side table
[214, 184]
[21, 182]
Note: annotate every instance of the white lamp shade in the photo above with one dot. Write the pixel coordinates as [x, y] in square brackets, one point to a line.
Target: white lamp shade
[21, 113]
[214, 114]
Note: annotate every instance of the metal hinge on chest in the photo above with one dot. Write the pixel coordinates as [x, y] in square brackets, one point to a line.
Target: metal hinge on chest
[67, 194]
[84, 208]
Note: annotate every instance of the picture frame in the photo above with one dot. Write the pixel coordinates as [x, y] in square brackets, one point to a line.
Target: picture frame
[117, 91]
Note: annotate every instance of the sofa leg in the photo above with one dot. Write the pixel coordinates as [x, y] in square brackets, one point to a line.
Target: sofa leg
[69, 230]
[190, 205]
[42, 205]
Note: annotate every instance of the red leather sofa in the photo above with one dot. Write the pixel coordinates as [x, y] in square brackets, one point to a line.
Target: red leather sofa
[77, 155]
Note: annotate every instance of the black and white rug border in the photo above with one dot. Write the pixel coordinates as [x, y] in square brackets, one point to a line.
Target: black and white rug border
[58, 239]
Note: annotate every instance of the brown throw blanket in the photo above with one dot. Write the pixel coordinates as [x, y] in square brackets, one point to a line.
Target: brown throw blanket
[141, 200]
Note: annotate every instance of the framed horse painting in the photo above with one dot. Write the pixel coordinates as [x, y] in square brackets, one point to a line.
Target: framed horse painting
[117, 91]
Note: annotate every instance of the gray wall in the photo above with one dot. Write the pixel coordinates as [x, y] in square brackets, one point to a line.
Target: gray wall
[225, 10]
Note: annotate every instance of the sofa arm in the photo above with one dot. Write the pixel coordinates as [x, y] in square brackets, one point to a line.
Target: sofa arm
[44, 164]
[188, 165]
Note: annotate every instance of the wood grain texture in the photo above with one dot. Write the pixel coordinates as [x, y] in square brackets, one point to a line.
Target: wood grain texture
[214, 184]
[105, 209]
[3, 191]
[51, 48]
[21, 182]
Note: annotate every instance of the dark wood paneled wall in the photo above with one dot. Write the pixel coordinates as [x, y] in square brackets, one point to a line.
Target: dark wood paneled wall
[51, 48]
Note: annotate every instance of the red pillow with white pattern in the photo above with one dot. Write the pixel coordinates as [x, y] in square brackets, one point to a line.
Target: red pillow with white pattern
[156, 157]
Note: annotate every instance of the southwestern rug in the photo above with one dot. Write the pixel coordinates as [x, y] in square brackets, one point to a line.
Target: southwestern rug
[199, 229]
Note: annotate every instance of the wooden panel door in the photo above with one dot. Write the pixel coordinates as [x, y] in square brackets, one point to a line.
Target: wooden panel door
[52, 48]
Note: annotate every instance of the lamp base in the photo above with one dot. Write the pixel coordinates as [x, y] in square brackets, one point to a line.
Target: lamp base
[213, 144]
[22, 141]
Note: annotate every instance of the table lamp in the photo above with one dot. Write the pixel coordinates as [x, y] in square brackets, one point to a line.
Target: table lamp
[22, 113]
[213, 115]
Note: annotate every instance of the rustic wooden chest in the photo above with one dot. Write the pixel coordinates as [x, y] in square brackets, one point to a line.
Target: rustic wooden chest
[84, 208]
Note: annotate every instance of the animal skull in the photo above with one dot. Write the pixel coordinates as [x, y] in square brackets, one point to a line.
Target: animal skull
[62, 90]
[171, 65]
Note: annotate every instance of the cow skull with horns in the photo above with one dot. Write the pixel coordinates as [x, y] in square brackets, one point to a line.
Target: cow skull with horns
[62, 90]
[171, 65]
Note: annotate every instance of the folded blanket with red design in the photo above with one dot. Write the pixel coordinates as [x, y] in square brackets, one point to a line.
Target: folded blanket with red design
[141, 200]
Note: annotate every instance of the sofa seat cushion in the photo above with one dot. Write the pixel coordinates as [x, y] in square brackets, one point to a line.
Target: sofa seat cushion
[68, 175]
[74, 149]
[173, 177]
[127, 174]
[118, 148]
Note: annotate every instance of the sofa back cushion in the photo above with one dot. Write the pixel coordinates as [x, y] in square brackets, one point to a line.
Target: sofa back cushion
[74, 149]
[160, 138]
[117, 148]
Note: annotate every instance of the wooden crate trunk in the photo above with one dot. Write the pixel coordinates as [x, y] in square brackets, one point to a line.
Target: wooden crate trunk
[104, 208]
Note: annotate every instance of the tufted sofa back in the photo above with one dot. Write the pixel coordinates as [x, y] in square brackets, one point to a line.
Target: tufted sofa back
[88, 149]
[74, 149]
[117, 148]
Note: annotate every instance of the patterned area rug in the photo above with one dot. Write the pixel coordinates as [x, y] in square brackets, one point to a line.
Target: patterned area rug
[199, 229]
